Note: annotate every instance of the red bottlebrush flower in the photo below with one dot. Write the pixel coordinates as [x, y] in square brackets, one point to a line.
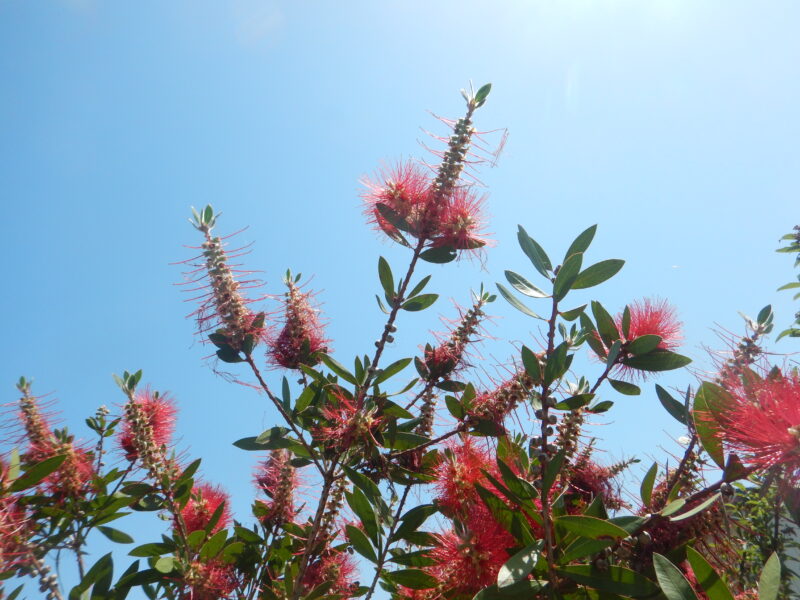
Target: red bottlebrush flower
[74, 476]
[337, 568]
[15, 530]
[763, 422]
[458, 472]
[469, 558]
[653, 317]
[203, 503]
[209, 581]
[406, 191]
[461, 221]
[348, 424]
[158, 412]
[497, 404]
[588, 480]
[224, 308]
[278, 479]
[688, 572]
[442, 360]
[301, 337]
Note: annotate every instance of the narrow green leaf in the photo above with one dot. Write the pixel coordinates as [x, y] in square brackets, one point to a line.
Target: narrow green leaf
[513, 301]
[360, 543]
[697, 509]
[605, 324]
[361, 507]
[439, 256]
[115, 535]
[769, 582]
[523, 286]
[646, 489]
[534, 252]
[385, 275]
[711, 583]
[598, 273]
[571, 315]
[673, 507]
[644, 344]
[519, 566]
[420, 302]
[591, 527]
[413, 578]
[392, 369]
[420, 286]
[613, 579]
[582, 242]
[706, 424]
[165, 564]
[36, 473]
[339, 369]
[567, 275]
[656, 361]
[673, 583]
[623, 387]
[673, 407]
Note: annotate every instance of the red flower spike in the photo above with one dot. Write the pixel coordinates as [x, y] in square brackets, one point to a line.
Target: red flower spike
[458, 472]
[406, 191]
[209, 581]
[461, 222]
[348, 424]
[653, 317]
[763, 424]
[278, 479]
[302, 336]
[338, 568]
[497, 404]
[588, 480]
[158, 412]
[203, 503]
[74, 476]
[469, 560]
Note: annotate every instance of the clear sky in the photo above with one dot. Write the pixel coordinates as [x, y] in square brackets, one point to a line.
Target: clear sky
[673, 125]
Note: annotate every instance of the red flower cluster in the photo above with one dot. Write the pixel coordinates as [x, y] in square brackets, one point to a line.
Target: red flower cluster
[588, 480]
[212, 580]
[763, 422]
[348, 425]
[301, 337]
[158, 411]
[336, 568]
[652, 317]
[204, 501]
[405, 195]
[278, 479]
[495, 405]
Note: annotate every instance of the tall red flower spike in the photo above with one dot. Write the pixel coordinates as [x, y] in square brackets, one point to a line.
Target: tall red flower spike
[405, 191]
[458, 472]
[302, 337]
[158, 412]
[461, 221]
[278, 479]
[652, 317]
[588, 480]
[204, 501]
[224, 309]
[763, 423]
[212, 580]
[337, 568]
[469, 557]
[495, 405]
[348, 424]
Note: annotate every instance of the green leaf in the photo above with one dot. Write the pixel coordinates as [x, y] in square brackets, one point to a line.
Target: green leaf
[361, 507]
[482, 94]
[697, 509]
[413, 578]
[404, 440]
[575, 402]
[36, 473]
[360, 543]
[657, 360]
[531, 364]
[115, 535]
[706, 424]
[601, 407]
[707, 578]
[582, 242]
[385, 275]
[413, 519]
[584, 547]
[440, 255]
[769, 582]
[567, 275]
[646, 489]
[557, 363]
[605, 324]
[339, 369]
[597, 273]
[623, 387]
[392, 369]
[455, 408]
[165, 564]
[534, 252]
[420, 302]
[228, 355]
[154, 549]
[673, 407]
[591, 527]
[673, 507]
[673, 583]
[213, 545]
[420, 286]
[519, 566]
[613, 579]
[365, 483]
[644, 344]
[571, 315]
[523, 286]
[513, 301]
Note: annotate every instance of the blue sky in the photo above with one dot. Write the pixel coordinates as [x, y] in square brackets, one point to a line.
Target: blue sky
[672, 125]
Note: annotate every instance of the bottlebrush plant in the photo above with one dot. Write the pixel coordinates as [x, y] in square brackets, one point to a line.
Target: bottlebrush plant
[515, 508]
